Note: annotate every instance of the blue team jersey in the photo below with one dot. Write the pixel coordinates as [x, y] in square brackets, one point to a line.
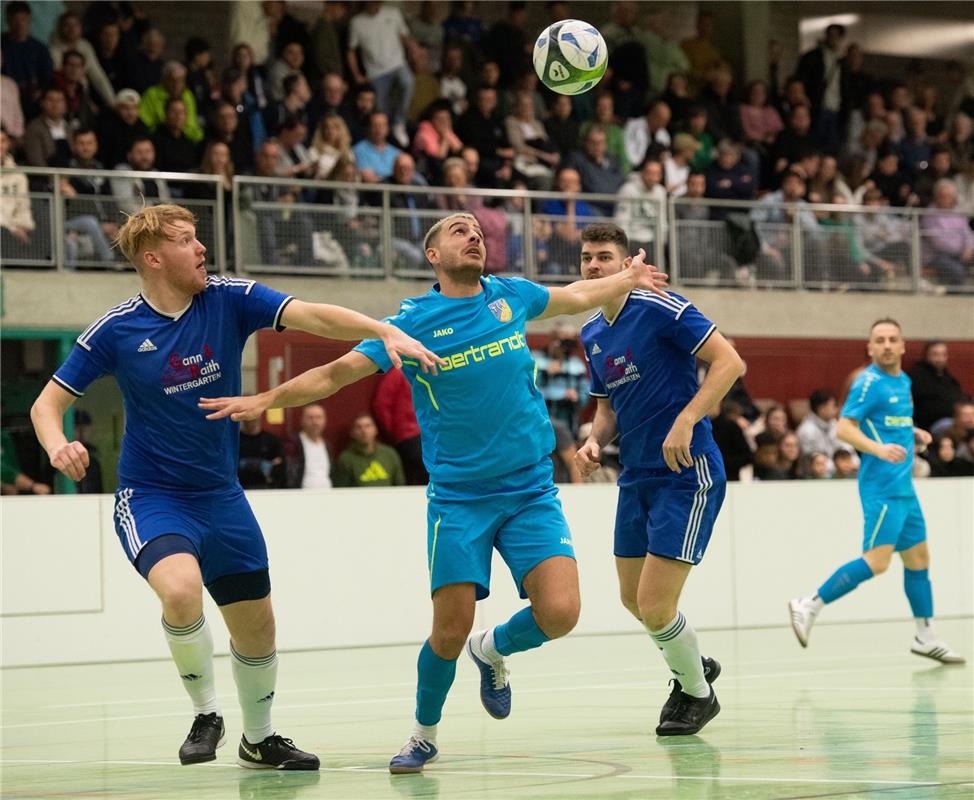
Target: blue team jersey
[482, 415]
[163, 364]
[644, 362]
[882, 404]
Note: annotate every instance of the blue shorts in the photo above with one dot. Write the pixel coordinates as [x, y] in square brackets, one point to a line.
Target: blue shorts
[669, 514]
[518, 513]
[893, 520]
[219, 526]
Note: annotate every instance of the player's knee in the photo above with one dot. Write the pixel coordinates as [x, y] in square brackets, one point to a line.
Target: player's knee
[630, 604]
[656, 616]
[878, 562]
[182, 602]
[557, 617]
[449, 638]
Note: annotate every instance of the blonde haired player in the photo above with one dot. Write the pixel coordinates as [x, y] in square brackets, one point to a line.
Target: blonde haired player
[180, 513]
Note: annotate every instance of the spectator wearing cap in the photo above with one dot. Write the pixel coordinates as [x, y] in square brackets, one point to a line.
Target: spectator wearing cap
[820, 70]
[948, 242]
[648, 134]
[935, 390]
[67, 37]
[117, 129]
[642, 205]
[728, 178]
[152, 108]
[26, 60]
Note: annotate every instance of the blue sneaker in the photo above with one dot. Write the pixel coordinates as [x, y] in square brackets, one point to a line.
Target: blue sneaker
[415, 754]
[495, 689]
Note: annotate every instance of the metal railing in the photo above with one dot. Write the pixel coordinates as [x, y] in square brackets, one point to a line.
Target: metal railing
[355, 230]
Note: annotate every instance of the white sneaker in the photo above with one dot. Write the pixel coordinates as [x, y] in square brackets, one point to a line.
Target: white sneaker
[400, 134]
[936, 650]
[802, 618]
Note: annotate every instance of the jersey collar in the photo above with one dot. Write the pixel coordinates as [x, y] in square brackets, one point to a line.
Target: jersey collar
[173, 317]
[611, 322]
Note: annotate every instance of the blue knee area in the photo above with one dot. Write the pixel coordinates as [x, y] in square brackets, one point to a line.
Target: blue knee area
[916, 584]
[435, 679]
[844, 580]
[519, 633]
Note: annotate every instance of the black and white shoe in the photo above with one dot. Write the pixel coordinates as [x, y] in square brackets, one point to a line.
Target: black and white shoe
[689, 715]
[275, 752]
[711, 671]
[206, 735]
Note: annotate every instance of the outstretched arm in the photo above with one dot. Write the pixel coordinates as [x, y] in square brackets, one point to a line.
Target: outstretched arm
[315, 384]
[47, 415]
[587, 294]
[726, 367]
[336, 322]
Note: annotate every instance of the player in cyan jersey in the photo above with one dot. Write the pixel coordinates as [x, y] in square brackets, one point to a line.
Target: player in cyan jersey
[486, 442]
[180, 513]
[877, 419]
[642, 349]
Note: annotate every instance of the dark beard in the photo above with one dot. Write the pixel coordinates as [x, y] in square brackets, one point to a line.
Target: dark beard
[464, 274]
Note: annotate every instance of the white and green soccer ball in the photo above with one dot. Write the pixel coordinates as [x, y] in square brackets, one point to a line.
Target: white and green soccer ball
[570, 56]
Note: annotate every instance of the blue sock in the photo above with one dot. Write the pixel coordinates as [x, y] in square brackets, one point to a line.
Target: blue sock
[844, 580]
[916, 584]
[435, 679]
[519, 633]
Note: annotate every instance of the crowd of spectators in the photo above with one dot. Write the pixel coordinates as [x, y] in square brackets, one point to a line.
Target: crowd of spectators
[367, 95]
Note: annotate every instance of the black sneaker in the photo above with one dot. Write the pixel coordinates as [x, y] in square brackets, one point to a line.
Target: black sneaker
[711, 671]
[206, 735]
[689, 715]
[275, 752]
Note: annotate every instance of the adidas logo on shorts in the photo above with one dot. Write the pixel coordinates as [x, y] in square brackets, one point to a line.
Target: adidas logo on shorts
[147, 347]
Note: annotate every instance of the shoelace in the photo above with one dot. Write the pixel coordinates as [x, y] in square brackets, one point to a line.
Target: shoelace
[201, 722]
[499, 671]
[280, 740]
[412, 743]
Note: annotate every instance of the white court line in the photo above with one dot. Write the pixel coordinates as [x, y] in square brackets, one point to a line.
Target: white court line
[373, 701]
[514, 774]
[534, 675]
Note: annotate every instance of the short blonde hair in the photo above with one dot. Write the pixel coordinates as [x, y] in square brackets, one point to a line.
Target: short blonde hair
[146, 228]
[434, 232]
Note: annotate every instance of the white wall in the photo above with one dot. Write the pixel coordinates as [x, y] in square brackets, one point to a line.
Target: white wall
[348, 567]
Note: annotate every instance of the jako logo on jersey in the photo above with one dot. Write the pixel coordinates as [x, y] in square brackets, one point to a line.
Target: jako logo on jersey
[501, 310]
[482, 352]
[146, 347]
[442, 332]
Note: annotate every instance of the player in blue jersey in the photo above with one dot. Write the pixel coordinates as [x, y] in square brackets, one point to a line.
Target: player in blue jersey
[180, 513]
[877, 419]
[642, 349]
[486, 441]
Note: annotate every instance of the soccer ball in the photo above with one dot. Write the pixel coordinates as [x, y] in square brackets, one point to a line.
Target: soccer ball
[570, 56]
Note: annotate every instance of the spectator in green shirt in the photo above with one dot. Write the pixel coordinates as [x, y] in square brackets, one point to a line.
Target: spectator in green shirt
[152, 107]
[366, 461]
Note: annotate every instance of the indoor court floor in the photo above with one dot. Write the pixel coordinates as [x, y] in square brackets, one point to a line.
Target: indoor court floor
[854, 716]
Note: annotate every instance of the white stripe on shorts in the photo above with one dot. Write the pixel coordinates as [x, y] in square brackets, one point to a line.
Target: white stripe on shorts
[704, 484]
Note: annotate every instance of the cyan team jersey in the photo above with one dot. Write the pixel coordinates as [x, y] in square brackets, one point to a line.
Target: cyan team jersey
[882, 404]
[644, 362]
[482, 415]
[163, 364]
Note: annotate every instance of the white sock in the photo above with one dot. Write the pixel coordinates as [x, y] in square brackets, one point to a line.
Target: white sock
[192, 650]
[255, 679]
[427, 732]
[487, 646]
[925, 630]
[678, 642]
[816, 602]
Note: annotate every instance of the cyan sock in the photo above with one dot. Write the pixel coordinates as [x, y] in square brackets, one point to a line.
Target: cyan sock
[844, 580]
[916, 584]
[435, 677]
[519, 633]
